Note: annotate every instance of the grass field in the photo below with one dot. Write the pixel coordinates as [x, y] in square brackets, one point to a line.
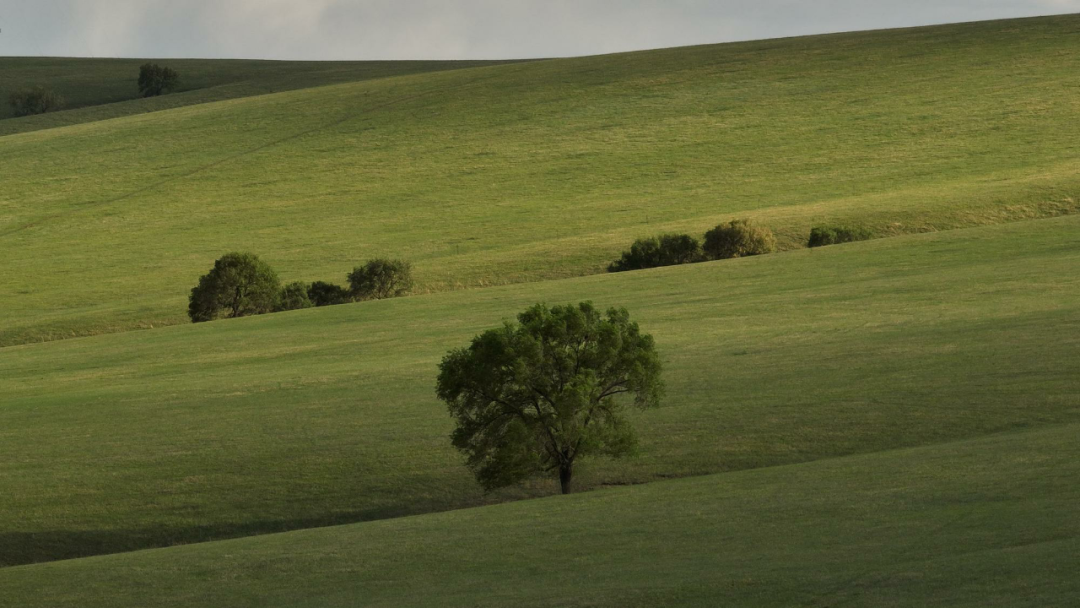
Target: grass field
[327, 416]
[885, 423]
[105, 226]
[101, 89]
[986, 522]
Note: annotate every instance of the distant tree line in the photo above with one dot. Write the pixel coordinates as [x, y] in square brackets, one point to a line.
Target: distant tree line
[153, 80]
[241, 285]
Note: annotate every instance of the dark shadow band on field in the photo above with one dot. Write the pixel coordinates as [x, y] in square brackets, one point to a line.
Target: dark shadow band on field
[21, 548]
[25, 548]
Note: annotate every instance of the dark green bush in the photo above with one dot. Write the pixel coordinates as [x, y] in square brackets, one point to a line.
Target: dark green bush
[294, 296]
[380, 279]
[653, 252]
[155, 80]
[738, 239]
[321, 293]
[239, 285]
[36, 100]
[833, 235]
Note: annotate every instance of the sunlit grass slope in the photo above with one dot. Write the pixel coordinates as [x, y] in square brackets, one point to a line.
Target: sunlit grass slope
[539, 170]
[985, 522]
[99, 89]
[326, 416]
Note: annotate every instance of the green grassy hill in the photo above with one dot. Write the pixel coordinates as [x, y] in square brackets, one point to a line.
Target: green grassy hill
[325, 416]
[100, 89]
[538, 170]
[885, 423]
[988, 522]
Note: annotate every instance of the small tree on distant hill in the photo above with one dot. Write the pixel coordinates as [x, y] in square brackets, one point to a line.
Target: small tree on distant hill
[36, 100]
[156, 80]
[533, 397]
[380, 279]
[239, 285]
[738, 239]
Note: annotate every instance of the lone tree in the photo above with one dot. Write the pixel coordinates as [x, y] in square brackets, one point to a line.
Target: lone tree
[534, 396]
[380, 279]
[239, 285]
[156, 80]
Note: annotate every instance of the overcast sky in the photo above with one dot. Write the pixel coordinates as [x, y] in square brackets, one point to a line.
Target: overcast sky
[450, 29]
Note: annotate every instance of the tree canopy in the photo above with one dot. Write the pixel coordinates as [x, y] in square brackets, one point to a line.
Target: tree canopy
[157, 80]
[322, 293]
[738, 239]
[665, 250]
[380, 279]
[239, 285]
[532, 397]
[294, 296]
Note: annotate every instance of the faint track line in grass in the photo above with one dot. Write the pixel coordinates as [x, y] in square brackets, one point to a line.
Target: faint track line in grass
[230, 158]
[865, 578]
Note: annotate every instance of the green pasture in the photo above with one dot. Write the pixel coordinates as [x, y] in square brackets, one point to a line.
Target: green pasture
[538, 170]
[100, 89]
[985, 522]
[328, 416]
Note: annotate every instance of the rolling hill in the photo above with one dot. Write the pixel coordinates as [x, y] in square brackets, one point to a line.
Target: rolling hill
[986, 522]
[325, 416]
[884, 423]
[102, 89]
[105, 226]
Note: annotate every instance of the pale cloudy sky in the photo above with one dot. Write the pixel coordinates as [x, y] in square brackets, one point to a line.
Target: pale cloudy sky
[450, 29]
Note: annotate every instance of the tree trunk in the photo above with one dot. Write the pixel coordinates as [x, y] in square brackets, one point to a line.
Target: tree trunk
[236, 302]
[565, 473]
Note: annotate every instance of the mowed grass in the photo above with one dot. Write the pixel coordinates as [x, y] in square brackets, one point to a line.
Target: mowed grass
[100, 89]
[985, 522]
[539, 170]
[327, 416]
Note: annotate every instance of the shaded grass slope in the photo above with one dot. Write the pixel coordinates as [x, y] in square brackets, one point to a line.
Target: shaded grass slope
[327, 416]
[100, 89]
[986, 522]
[539, 170]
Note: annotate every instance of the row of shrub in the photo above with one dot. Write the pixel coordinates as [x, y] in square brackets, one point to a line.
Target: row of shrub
[241, 285]
[834, 235]
[736, 239]
[35, 100]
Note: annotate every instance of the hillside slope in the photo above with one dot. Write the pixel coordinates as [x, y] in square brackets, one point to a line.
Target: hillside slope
[326, 416]
[989, 522]
[100, 89]
[538, 170]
